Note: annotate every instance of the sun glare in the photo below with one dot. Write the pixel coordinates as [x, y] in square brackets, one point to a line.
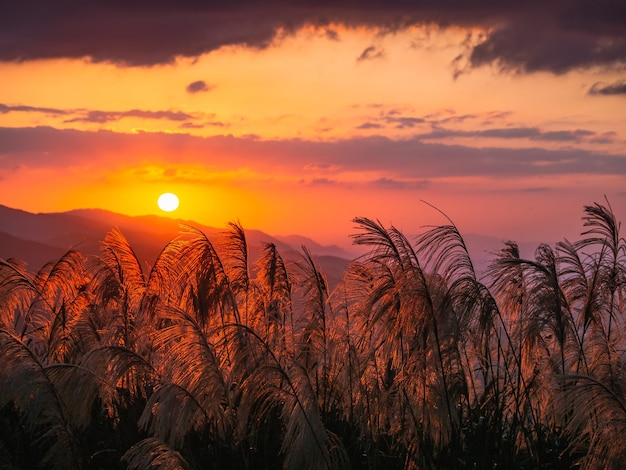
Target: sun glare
[168, 202]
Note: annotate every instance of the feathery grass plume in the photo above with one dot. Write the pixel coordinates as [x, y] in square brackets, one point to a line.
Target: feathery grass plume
[603, 233]
[193, 391]
[547, 333]
[118, 284]
[581, 283]
[536, 322]
[473, 309]
[414, 334]
[236, 258]
[279, 383]
[78, 388]
[314, 325]
[319, 350]
[445, 251]
[108, 376]
[150, 454]
[25, 382]
[162, 284]
[337, 453]
[256, 391]
[202, 279]
[63, 298]
[345, 363]
[271, 313]
[446, 254]
[17, 291]
[122, 267]
[543, 310]
[507, 283]
[305, 442]
[596, 402]
[597, 420]
[411, 362]
[367, 401]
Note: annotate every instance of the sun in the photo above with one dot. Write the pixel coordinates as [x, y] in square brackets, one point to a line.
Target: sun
[168, 202]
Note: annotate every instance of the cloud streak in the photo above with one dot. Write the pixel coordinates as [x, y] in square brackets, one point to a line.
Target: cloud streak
[394, 161]
[616, 88]
[371, 53]
[5, 109]
[198, 86]
[97, 116]
[551, 35]
[527, 133]
[440, 127]
[102, 117]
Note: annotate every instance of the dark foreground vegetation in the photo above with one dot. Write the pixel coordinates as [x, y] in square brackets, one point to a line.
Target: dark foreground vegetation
[411, 362]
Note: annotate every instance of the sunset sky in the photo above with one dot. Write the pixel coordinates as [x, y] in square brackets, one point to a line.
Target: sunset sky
[295, 117]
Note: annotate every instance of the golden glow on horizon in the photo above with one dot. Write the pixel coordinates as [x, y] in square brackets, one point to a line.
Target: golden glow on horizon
[305, 86]
[168, 202]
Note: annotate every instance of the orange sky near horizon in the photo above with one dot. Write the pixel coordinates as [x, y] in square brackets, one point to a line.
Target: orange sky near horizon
[322, 125]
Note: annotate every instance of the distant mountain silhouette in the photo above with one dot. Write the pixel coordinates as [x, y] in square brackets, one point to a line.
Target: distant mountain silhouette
[31, 252]
[316, 248]
[483, 249]
[37, 239]
[40, 238]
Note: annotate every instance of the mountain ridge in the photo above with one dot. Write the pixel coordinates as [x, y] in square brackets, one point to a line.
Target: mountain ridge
[40, 238]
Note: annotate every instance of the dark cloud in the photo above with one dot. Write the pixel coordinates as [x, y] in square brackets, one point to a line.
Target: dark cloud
[332, 34]
[370, 53]
[191, 125]
[369, 125]
[440, 131]
[5, 109]
[320, 182]
[547, 35]
[604, 138]
[398, 160]
[557, 36]
[503, 133]
[102, 117]
[539, 189]
[95, 116]
[529, 133]
[53, 150]
[404, 122]
[565, 136]
[319, 166]
[198, 86]
[457, 119]
[488, 118]
[617, 88]
[389, 183]
[524, 48]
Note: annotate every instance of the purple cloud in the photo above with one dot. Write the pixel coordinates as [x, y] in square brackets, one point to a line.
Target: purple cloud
[617, 88]
[530, 133]
[546, 49]
[102, 117]
[537, 35]
[370, 53]
[369, 125]
[198, 87]
[404, 122]
[396, 160]
[5, 109]
[389, 183]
